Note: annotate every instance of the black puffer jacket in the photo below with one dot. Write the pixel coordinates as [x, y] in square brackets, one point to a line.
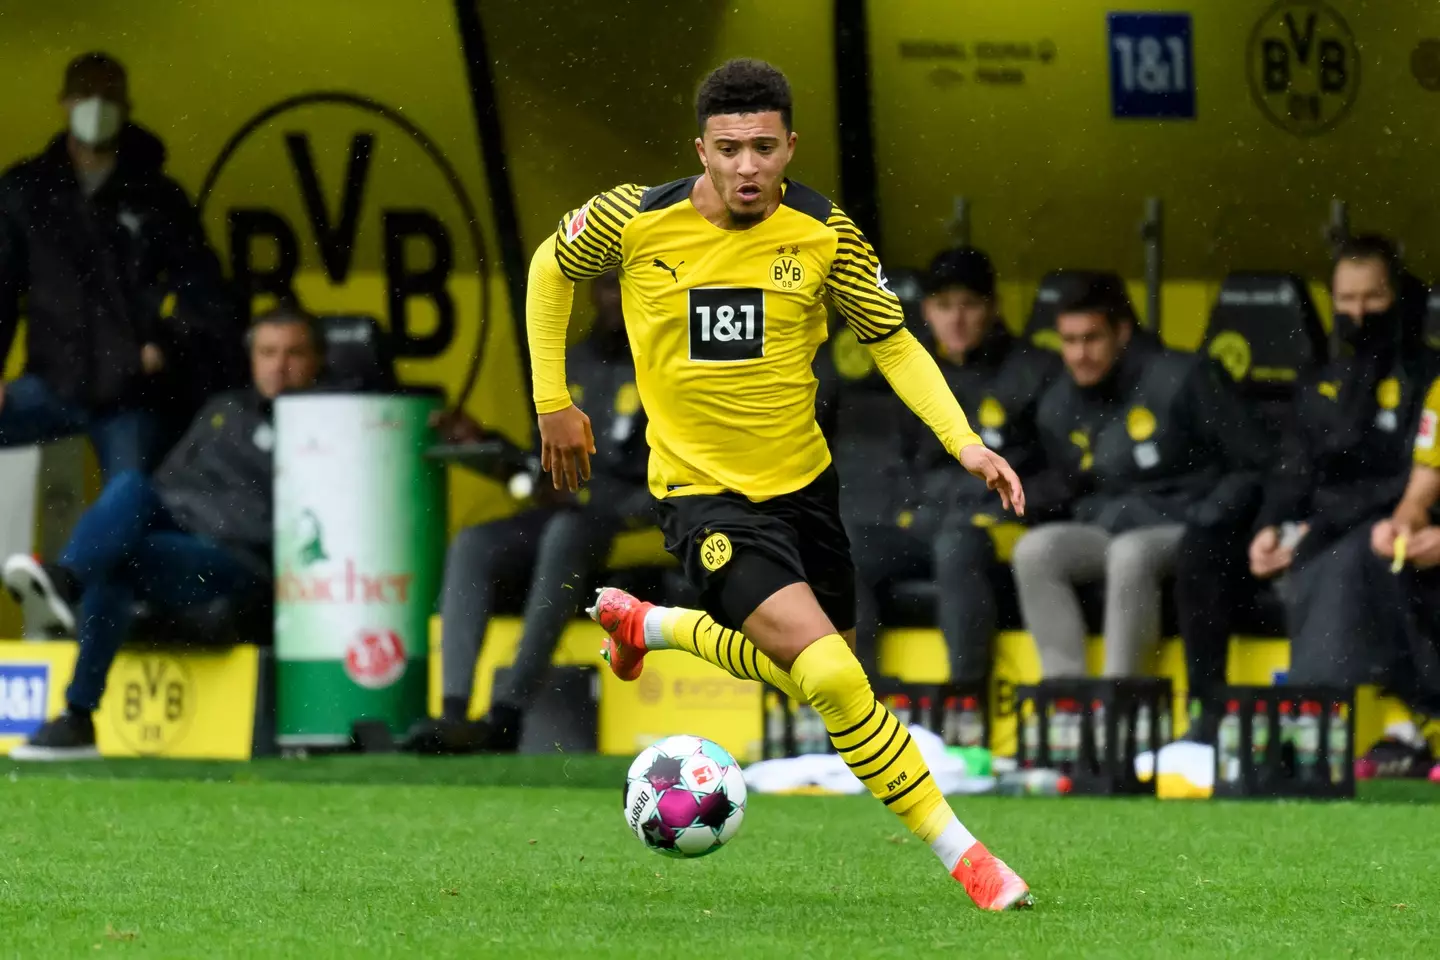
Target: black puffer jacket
[91, 274]
[1161, 440]
[219, 480]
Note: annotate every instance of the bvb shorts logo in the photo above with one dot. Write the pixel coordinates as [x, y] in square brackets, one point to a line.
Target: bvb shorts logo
[157, 702]
[787, 272]
[1303, 66]
[715, 552]
[1233, 352]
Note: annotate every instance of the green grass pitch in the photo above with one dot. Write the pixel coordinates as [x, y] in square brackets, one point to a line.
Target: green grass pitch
[529, 857]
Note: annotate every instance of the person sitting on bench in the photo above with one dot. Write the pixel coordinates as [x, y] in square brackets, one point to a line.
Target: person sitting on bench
[200, 529]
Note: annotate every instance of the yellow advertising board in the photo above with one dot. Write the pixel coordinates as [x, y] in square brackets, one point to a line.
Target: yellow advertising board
[193, 705]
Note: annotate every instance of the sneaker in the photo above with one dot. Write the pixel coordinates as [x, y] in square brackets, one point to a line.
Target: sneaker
[622, 617]
[26, 577]
[990, 883]
[70, 736]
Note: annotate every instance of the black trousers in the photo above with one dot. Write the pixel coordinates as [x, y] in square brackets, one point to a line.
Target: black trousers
[960, 559]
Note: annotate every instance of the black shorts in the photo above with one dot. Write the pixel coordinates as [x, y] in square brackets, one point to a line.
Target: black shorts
[738, 552]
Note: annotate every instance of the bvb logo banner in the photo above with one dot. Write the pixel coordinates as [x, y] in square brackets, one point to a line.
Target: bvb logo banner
[1303, 66]
[349, 199]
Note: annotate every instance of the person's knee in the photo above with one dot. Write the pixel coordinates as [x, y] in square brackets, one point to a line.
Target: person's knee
[1134, 559]
[1031, 557]
[831, 677]
[472, 548]
[958, 550]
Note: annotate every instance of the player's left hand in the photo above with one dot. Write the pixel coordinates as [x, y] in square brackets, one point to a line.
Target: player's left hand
[992, 468]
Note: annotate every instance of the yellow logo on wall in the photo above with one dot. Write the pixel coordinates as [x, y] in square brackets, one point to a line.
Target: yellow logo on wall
[715, 552]
[992, 414]
[344, 201]
[1140, 424]
[1303, 66]
[1233, 352]
[157, 704]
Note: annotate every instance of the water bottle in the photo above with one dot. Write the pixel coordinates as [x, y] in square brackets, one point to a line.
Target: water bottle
[1307, 741]
[1097, 712]
[1287, 740]
[1260, 736]
[1031, 737]
[1339, 743]
[1228, 740]
[774, 726]
[970, 725]
[1032, 783]
[950, 725]
[1142, 729]
[1061, 753]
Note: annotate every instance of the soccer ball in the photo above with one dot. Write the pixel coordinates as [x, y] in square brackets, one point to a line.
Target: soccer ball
[684, 796]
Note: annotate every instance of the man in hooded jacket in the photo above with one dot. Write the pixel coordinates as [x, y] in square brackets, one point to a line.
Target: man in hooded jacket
[1344, 465]
[94, 237]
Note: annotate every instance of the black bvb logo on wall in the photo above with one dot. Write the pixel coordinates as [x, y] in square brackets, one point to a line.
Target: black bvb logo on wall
[1303, 66]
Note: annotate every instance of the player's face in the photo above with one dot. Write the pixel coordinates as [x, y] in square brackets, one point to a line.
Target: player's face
[745, 155]
[1360, 287]
[1090, 345]
[282, 358]
[959, 319]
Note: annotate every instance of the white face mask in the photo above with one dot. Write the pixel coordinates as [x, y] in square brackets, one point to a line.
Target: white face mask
[95, 120]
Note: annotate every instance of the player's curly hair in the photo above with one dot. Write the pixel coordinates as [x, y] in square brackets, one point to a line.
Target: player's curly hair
[743, 85]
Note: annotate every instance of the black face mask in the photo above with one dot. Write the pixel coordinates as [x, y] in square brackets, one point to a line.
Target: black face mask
[1364, 333]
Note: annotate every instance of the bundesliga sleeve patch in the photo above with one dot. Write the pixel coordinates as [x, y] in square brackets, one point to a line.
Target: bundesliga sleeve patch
[1425, 437]
[577, 224]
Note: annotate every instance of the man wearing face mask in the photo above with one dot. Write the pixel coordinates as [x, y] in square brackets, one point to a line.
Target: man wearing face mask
[1149, 440]
[94, 237]
[1344, 465]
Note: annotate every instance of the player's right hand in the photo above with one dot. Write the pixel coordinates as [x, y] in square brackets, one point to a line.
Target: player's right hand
[566, 443]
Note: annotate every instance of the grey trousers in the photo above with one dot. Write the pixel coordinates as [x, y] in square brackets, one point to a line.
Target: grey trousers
[1050, 560]
[553, 554]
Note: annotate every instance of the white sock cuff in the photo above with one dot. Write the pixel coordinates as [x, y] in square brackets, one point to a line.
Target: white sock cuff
[655, 628]
[952, 843]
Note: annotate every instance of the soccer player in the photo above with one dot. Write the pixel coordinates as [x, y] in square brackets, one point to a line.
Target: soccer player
[723, 277]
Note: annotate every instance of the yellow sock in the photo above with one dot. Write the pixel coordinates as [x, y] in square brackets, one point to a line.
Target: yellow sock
[730, 650]
[876, 746]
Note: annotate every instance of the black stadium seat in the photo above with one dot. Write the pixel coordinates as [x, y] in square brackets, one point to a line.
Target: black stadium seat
[1054, 287]
[1265, 331]
[358, 355]
[1432, 319]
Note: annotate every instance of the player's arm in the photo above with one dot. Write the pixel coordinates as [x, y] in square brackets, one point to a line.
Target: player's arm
[1422, 491]
[857, 288]
[586, 245]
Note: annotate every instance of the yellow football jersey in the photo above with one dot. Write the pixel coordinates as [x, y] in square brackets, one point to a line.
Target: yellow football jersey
[724, 325]
[1427, 454]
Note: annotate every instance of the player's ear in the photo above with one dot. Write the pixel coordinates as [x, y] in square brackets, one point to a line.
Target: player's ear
[700, 150]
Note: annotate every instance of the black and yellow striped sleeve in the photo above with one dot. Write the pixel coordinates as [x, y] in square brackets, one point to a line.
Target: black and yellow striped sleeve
[588, 240]
[857, 285]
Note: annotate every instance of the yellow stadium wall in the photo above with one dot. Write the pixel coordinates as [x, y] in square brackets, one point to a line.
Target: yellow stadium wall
[594, 94]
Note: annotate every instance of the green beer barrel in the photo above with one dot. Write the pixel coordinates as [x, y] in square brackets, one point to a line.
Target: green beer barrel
[359, 545]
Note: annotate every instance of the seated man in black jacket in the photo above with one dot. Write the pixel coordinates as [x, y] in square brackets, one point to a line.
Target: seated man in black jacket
[1149, 440]
[1344, 465]
[941, 531]
[199, 530]
[550, 549]
[93, 236]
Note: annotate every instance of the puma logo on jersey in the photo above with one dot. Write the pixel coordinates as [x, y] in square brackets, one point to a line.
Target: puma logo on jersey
[669, 269]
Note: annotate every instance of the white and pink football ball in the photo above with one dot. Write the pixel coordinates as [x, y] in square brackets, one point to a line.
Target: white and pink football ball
[684, 796]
